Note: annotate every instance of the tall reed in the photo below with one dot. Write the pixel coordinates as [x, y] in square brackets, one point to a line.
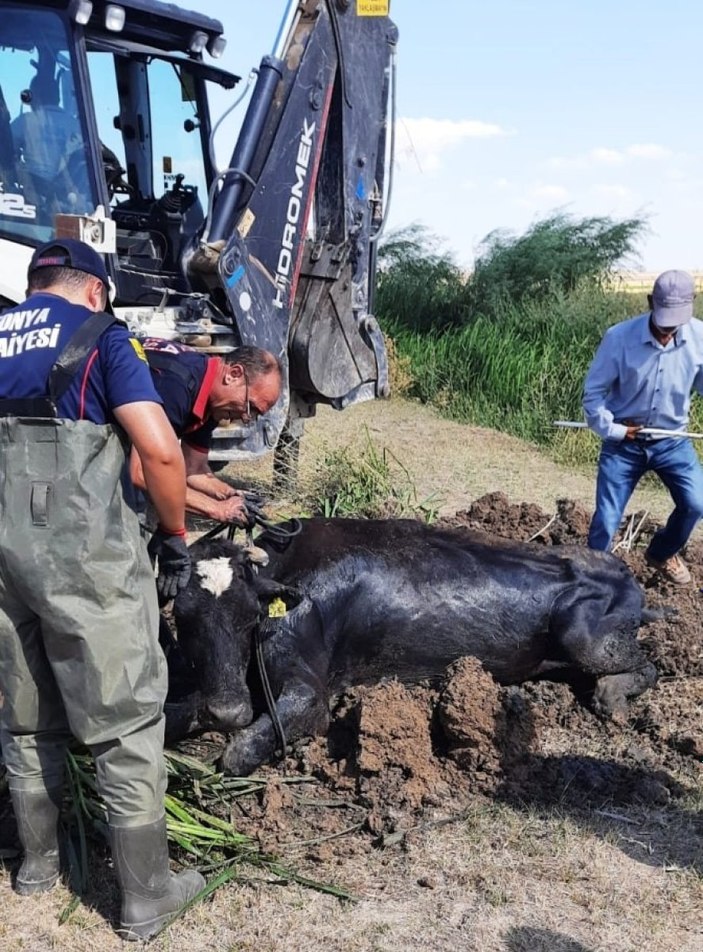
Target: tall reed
[514, 371]
[509, 346]
[521, 369]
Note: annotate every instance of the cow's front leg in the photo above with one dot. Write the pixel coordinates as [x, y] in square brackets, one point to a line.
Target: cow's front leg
[613, 690]
[182, 717]
[303, 711]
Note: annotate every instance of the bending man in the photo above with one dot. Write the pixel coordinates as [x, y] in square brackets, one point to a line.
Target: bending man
[200, 393]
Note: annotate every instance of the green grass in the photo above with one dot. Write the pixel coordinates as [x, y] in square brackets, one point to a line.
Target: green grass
[370, 484]
[520, 369]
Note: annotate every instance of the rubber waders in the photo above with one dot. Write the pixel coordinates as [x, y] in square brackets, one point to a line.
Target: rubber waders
[151, 893]
[37, 816]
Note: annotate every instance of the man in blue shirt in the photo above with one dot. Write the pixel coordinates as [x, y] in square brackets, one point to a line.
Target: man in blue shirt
[642, 376]
[79, 651]
[200, 393]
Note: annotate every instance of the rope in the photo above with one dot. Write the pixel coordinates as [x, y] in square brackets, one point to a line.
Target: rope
[254, 505]
[631, 532]
[543, 529]
[268, 693]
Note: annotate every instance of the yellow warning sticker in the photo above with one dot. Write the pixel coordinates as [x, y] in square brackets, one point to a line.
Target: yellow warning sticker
[372, 8]
[138, 349]
[277, 608]
[245, 222]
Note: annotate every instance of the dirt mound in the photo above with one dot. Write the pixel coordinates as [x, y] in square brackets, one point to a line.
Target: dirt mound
[486, 730]
[399, 751]
[523, 521]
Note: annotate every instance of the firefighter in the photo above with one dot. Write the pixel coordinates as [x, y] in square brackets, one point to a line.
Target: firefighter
[79, 652]
[199, 393]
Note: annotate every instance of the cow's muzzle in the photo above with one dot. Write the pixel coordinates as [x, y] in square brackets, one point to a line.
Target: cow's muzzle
[227, 714]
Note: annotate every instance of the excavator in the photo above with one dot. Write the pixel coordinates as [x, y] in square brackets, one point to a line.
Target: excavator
[107, 135]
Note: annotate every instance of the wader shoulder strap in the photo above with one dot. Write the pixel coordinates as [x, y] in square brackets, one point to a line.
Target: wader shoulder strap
[74, 353]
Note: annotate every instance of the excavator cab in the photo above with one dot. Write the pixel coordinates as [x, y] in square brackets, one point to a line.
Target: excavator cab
[100, 117]
[105, 135]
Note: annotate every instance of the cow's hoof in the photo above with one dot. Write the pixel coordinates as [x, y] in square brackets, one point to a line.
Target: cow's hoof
[613, 690]
[236, 760]
[610, 697]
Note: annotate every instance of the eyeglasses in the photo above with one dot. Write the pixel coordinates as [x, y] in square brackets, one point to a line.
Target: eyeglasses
[251, 413]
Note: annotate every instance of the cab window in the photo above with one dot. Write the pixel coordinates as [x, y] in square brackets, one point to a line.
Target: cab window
[43, 154]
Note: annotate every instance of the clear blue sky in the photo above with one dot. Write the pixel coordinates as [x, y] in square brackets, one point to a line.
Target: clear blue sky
[510, 109]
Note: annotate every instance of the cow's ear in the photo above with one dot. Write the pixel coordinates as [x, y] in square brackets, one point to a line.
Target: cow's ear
[268, 589]
[256, 555]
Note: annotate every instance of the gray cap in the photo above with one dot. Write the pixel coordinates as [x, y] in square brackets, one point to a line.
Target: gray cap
[672, 299]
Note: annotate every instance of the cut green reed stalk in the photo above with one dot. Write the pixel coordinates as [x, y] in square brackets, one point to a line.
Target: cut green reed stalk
[197, 797]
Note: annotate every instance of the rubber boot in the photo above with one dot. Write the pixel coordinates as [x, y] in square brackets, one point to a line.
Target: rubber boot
[37, 816]
[151, 893]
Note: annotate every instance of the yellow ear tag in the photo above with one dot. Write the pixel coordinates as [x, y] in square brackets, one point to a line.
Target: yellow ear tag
[277, 608]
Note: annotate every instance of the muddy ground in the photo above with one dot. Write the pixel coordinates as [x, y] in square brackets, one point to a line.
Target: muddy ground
[397, 755]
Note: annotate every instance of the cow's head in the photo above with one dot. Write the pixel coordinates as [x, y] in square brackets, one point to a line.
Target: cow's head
[215, 618]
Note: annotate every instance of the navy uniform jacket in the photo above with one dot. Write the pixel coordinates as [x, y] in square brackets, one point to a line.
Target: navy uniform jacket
[33, 334]
[184, 378]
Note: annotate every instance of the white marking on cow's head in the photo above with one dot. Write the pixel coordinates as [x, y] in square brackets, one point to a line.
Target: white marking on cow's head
[215, 575]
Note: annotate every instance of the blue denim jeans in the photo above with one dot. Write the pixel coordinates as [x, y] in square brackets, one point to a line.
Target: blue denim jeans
[620, 468]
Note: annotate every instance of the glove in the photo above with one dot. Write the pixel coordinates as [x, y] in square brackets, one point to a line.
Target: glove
[174, 562]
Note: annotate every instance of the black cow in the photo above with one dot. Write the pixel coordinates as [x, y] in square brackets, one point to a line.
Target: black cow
[396, 598]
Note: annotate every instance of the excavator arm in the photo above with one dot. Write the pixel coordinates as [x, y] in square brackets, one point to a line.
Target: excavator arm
[289, 246]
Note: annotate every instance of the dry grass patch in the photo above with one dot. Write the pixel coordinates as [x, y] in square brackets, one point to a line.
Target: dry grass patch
[501, 878]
